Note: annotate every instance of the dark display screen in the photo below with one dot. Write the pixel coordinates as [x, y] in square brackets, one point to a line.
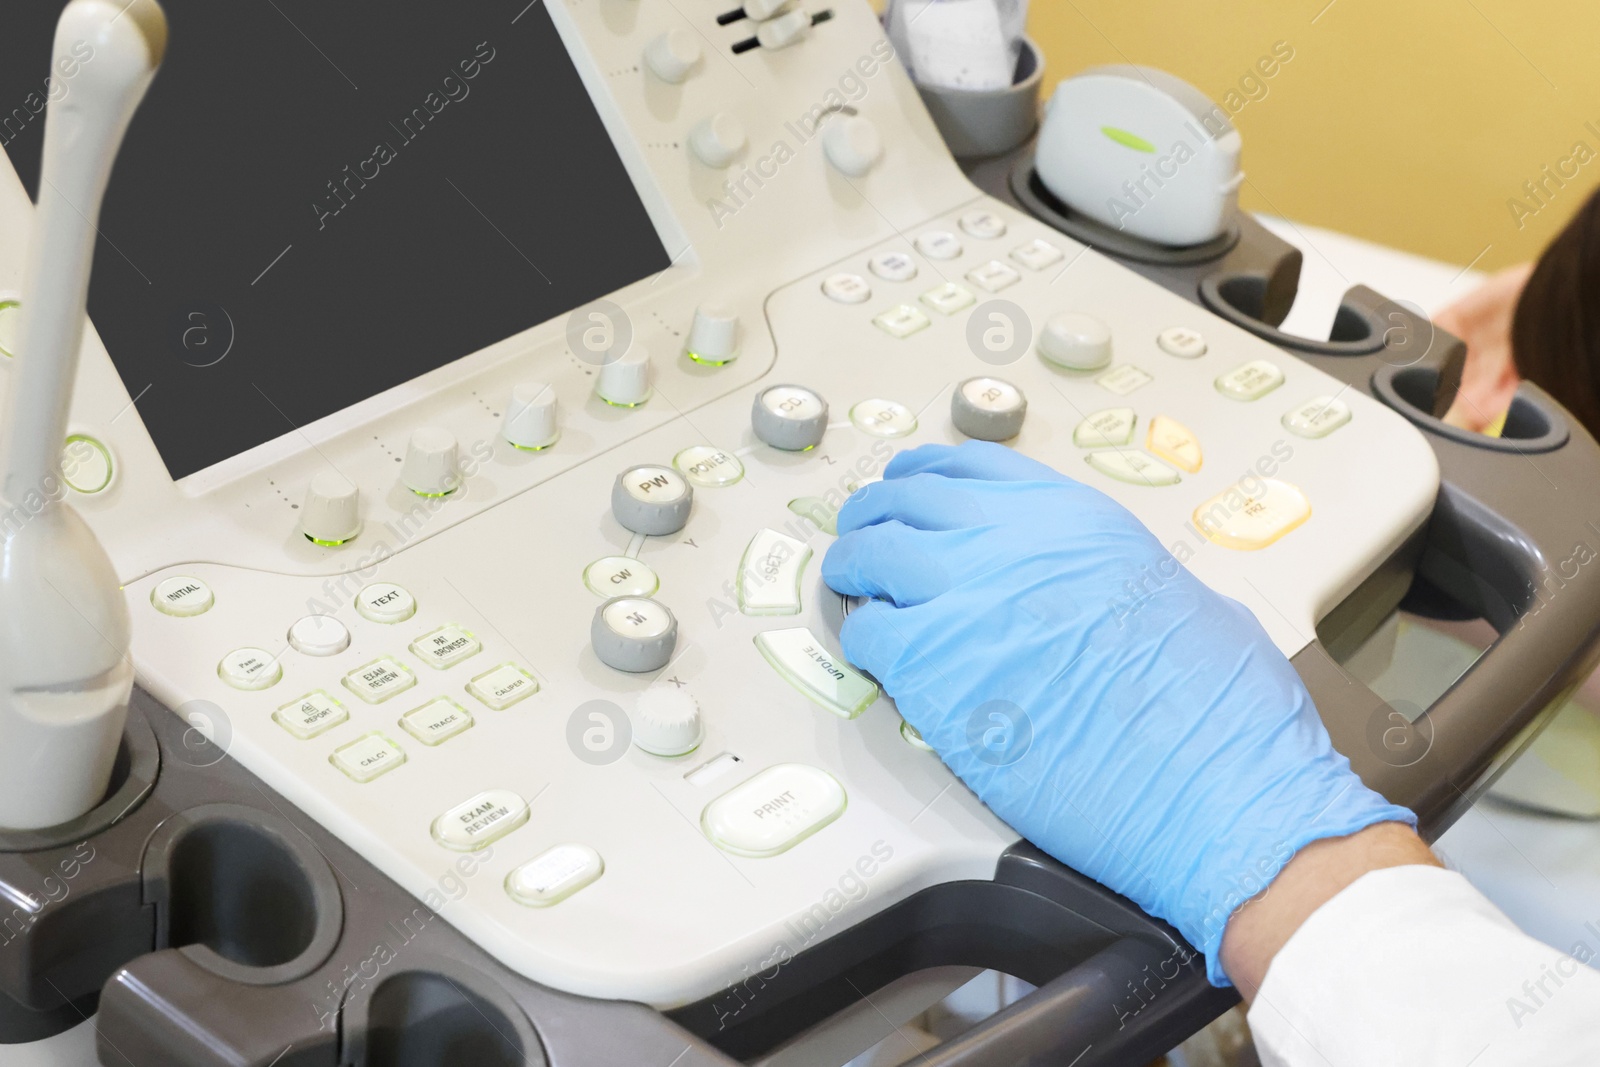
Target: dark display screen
[318, 201]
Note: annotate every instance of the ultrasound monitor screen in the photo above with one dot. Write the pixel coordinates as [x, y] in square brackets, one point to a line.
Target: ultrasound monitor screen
[318, 201]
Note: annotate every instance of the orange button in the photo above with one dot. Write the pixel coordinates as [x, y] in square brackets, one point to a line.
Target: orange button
[1173, 442]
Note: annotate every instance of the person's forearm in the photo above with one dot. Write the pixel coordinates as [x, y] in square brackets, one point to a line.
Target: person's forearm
[1316, 874]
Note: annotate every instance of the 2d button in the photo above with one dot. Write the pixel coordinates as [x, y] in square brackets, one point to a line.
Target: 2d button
[313, 714]
[1317, 417]
[620, 576]
[1110, 428]
[367, 757]
[651, 500]
[822, 677]
[902, 321]
[993, 276]
[1247, 521]
[319, 635]
[1135, 468]
[437, 721]
[1182, 342]
[554, 875]
[633, 634]
[379, 680]
[709, 467]
[774, 811]
[789, 417]
[949, 298]
[984, 225]
[939, 244]
[1250, 381]
[182, 596]
[988, 409]
[846, 288]
[667, 722]
[769, 574]
[502, 686]
[883, 418]
[1123, 379]
[893, 266]
[385, 602]
[445, 647]
[479, 822]
[250, 668]
[1038, 255]
[1175, 443]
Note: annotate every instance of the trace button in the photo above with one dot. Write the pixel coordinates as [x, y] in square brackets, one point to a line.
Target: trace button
[774, 811]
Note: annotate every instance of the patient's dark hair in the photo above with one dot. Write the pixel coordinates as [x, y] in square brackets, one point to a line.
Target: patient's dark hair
[1555, 334]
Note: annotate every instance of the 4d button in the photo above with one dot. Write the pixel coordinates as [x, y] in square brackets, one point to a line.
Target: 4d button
[477, 823]
[774, 811]
[826, 679]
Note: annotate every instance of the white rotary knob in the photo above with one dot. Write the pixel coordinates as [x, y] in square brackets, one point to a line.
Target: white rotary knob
[530, 419]
[625, 381]
[331, 514]
[432, 463]
[1076, 341]
[673, 55]
[714, 336]
[853, 144]
[718, 140]
[667, 722]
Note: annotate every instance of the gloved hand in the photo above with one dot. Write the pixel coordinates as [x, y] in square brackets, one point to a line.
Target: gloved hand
[1105, 703]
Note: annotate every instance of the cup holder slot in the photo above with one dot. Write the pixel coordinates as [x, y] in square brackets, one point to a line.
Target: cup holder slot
[1531, 425]
[242, 894]
[439, 1013]
[1243, 298]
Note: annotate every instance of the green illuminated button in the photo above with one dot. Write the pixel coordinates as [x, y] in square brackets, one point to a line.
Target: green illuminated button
[1317, 417]
[85, 464]
[367, 757]
[554, 875]
[10, 318]
[709, 466]
[774, 811]
[806, 664]
[313, 714]
[437, 721]
[1135, 468]
[249, 669]
[182, 596]
[445, 647]
[379, 680]
[620, 576]
[503, 686]
[769, 574]
[1250, 381]
[913, 737]
[883, 418]
[819, 512]
[479, 822]
[1105, 429]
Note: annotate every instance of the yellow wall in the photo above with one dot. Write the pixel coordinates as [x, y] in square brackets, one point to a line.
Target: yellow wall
[1408, 122]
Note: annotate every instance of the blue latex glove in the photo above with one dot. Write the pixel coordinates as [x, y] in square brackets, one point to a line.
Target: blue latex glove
[1105, 703]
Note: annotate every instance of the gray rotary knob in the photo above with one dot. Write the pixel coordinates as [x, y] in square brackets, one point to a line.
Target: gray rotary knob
[651, 500]
[988, 409]
[633, 634]
[790, 417]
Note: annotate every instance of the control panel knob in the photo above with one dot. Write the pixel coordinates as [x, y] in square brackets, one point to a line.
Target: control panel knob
[666, 722]
[1076, 341]
[791, 27]
[988, 409]
[673, 55]
[432, 466]
[651, 500]
[331, 514]
[625, 381]
[790, 417]
[633, 634]
[718, 140]
[761, 10]
[714, 337]
[530, 419]
[852, 144]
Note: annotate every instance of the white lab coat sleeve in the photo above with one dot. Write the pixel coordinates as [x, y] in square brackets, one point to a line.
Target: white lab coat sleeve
[1412, 966]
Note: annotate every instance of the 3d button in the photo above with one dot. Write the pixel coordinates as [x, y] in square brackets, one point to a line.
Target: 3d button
[633, 634]
[902, 321]
[502, 686]
[481, 821]
[673, 55]
[1182, 342]
[379, 680]
[993, 276]
[718, 140]
[774, 811]
[624, 382]
[988, 409]
[554, 875]
[249, 668]
[331, 514]
[1135, 468]
[620, 576]
[1076, 341]
[883, 418]
[789, 417]
[1174, 442]
[852, 143]
[530, 418]
[1123, 380]
[182, 596]
[666, 721]
[1105, 429]
[437, 721]
[984, 225]
[445, 647]
[432, 466]
[385, 602]
[846, 288]
[86, 465]
[1038, 255]
[939, 244]
[313, 714]
[769, 574]
[709, 466]
[949, 298]
[713, 335]
[319, 635]
[893, 266]
[651, 500]
[1247, 521]
[368, 757]
[805, 663]
[1317, 417]
[1251, 381]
